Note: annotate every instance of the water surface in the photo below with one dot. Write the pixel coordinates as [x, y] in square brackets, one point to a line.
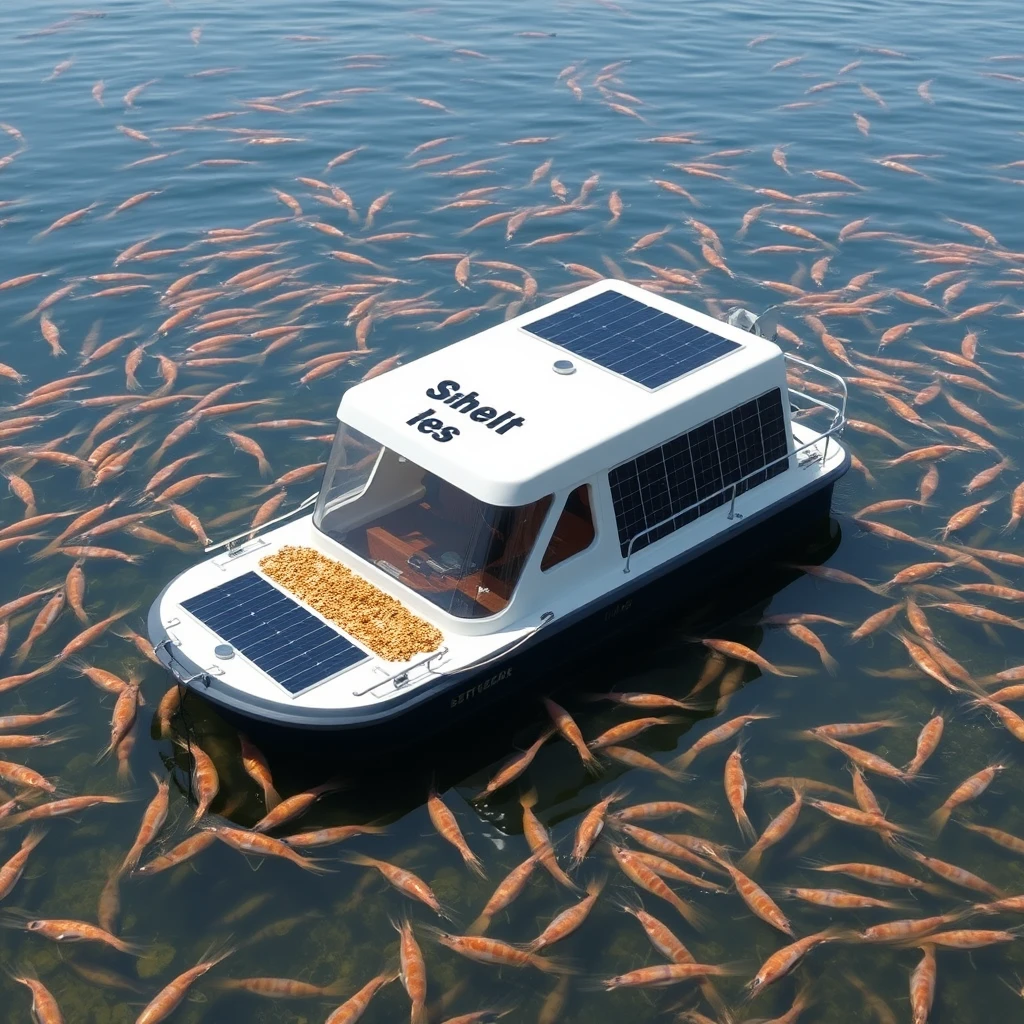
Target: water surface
[241, 101]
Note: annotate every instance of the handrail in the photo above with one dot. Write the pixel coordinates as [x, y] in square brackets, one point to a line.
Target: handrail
[545, 619]
[836, 427]
[401, 674]
[834, 377]
[399, 678]
[249, 534]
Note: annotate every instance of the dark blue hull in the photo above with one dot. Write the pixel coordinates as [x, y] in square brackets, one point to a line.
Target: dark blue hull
[682, 586]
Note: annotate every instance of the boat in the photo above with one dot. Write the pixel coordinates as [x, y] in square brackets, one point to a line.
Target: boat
[494, 508]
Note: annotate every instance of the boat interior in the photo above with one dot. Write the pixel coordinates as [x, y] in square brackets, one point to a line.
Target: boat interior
[458, 552]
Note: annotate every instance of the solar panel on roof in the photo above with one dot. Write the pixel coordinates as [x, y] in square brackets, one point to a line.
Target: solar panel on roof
[295, 648]
[631, 338]
[682, 477]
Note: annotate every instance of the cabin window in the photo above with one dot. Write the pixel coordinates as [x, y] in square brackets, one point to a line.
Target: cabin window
[349, 469]
[458, 552]
[574, 531]
[688, 476]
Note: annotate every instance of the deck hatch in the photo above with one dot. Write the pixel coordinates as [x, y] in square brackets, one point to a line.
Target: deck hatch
[295, 648]
[695, 466]
[637, 341]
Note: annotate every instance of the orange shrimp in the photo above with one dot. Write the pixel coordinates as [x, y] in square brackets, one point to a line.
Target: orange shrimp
[15, 866]
[568, 920]
[904, 931]
[847, 730]
[327, 836]
[866, 760]
[567, 726]
[660, 935]
[444, 821]
[540, 842]
[404, 881]
[493, 951]
[355, 1006]
[288, 810]
[515, 766]
[256, 767]
[62, 930]
[661, 975]
[646, 878]
[760, 903]
[666, 869]
[508, 889]
[720, 734]
[777, 829]
[635, 759]
[782, 961]
[170, 996]
[277, 988]
[922, 986]
[971, 938]
[927, 743]
[659, 809]
[45, 1009]
[956, 875]
[22, 776]
[1014, 904]
[183, 851]
[204, 777]
[736, 792]
[866, 800]
[413, 971]
[590, 828]
[855, 816]
[153, 819]
[669, 847]
[740, 652]
[259, 845]
[967, 790]
[878, 875]
[60, 808]
[839, 899]
[1004, 839]
[627, 730]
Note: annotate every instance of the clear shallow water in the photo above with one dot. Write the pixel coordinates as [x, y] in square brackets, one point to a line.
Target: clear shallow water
[686, 71]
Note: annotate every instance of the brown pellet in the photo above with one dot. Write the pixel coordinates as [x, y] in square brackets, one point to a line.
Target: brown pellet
[374, 618]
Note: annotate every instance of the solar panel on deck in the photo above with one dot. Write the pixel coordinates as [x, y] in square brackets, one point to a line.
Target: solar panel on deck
[662, 487]
[295, 648]
[631, 338]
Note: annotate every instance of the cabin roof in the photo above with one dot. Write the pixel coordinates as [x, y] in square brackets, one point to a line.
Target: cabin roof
[560, 429]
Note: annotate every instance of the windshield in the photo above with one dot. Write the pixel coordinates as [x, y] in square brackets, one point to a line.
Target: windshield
[348, 469]
[463, 555]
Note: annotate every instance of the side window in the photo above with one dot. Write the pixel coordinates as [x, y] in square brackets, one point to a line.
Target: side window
[574, 531]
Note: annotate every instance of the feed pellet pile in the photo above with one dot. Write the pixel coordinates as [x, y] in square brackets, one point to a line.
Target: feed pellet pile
[374, 618]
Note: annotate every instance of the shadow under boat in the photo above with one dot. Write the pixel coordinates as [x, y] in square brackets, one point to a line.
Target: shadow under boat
[650, 652]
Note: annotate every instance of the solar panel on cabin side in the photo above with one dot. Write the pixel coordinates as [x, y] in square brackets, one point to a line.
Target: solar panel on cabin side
[675, 483]
[295, 648]
[631, 338]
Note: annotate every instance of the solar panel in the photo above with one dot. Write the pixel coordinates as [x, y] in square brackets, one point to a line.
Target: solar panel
[295, 648]
[631, 338]
[689, 470]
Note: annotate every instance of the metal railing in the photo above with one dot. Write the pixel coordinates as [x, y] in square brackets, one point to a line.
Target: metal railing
[508, 648]
[401, 678]
[834, 429]
[247, 535]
